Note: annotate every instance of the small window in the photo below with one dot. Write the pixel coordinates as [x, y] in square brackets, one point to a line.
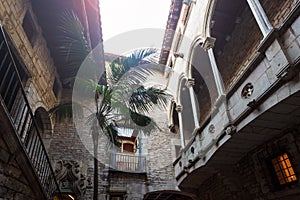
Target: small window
[283, 169]
[127, 147]
[56, 88]
[29, 28]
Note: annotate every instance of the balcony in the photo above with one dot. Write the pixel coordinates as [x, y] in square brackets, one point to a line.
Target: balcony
[128, 162]
[273, 74]
[20, 125]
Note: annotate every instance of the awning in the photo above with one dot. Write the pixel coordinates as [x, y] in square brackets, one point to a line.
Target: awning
[169, 195]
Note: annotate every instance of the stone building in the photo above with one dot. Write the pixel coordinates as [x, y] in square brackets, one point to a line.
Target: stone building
[233, 68]
[45, 158]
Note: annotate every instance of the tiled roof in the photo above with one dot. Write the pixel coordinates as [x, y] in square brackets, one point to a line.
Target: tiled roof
[174, 14]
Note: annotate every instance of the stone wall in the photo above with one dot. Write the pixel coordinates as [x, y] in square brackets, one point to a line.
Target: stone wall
[13, 184]
[36, 56]
[134, 185]
[251, 177]
[37, 62]
[161, 153]
[241, 48]
[66, 145]
[277, 10]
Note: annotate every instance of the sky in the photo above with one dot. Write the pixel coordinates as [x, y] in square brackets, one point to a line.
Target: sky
[120, 16]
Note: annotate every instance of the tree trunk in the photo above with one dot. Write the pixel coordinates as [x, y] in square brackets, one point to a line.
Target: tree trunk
[95, 197]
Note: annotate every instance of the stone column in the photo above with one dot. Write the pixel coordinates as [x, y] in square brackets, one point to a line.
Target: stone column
[179, 111]
[260, 16]
[208, 45]
[189, 84]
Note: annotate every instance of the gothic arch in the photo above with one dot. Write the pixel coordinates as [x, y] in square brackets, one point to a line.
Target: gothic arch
[207, 18]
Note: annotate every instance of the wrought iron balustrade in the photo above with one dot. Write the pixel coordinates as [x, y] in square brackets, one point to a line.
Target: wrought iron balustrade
[127, 162]
[14, 98]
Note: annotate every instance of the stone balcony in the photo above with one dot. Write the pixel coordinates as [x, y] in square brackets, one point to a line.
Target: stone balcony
[268, 86]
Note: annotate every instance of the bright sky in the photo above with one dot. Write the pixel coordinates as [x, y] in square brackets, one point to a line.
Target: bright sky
[119, 16]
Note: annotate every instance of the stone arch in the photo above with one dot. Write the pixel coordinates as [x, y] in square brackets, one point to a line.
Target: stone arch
[44, 125]
[174, 121]
[187, 110]
[236, 34]
[198, 41]
[207, 18]
[181, 78]
[200, 70]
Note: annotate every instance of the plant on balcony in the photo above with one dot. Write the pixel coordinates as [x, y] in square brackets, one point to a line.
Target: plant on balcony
[111, 108]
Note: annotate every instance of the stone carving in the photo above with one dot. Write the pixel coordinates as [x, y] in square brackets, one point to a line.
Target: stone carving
[247, 91]
[70, 179]
[211, 128]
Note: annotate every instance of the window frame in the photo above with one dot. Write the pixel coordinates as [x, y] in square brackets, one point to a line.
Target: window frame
[274, 173]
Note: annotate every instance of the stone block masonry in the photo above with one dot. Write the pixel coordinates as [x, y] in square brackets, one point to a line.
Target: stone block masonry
[36, 57]
[13, 185]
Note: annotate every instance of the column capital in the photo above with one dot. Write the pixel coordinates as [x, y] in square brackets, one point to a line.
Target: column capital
[178, 108]
[208, 43]
[190, 82]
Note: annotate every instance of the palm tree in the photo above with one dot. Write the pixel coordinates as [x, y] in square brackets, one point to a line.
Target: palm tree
[132, 112]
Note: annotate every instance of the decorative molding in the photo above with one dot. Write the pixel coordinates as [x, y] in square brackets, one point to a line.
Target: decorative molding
[177, 54]
[190, 82]
[179, 108]
[70, 179]
[211, 128]
[208, 43]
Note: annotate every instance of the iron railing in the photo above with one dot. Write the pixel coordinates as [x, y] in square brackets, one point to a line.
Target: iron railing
[127, 162]
[14, 97]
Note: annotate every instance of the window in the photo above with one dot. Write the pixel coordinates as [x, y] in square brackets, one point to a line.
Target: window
[127, 147]
[56, 87]
[29, 28]
[283, 169]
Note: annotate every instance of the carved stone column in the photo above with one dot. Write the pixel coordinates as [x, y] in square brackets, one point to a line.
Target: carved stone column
[189, 84]
[179, 111]
[208, 44]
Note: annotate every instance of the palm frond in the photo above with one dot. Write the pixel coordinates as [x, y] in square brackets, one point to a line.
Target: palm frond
[74, 47]
[139, 60]
[144, 99]
[138, 121]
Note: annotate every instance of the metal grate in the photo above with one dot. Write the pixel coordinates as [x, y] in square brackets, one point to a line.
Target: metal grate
[128, 163]
[283, 169]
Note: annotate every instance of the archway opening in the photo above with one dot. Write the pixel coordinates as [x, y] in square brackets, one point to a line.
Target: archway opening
[44, 125]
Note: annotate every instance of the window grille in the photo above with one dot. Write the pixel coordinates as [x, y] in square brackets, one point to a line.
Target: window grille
[283, 169]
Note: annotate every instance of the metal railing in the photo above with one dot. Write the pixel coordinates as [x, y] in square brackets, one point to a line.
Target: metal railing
[128, 163]
[14, 97]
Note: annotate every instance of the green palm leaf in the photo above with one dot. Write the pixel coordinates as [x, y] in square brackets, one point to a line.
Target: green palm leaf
[74, 47]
